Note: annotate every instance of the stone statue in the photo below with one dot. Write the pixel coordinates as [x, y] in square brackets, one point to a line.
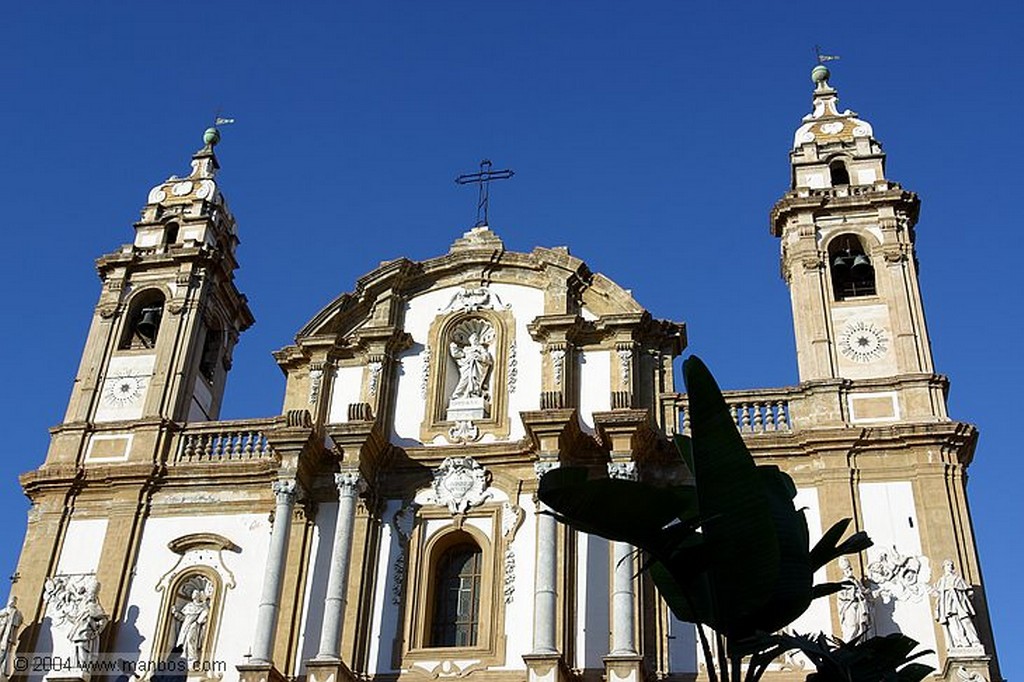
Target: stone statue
[193, 616]
[10, 621]
[88, 623]
[954, 610]
[474, 361]
[854, 616]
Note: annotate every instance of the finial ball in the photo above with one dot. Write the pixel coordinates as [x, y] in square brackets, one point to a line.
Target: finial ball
[211, 136]
[820, 73]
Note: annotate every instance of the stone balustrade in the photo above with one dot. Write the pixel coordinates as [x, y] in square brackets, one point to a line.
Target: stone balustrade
[755, 412]
[225, 441]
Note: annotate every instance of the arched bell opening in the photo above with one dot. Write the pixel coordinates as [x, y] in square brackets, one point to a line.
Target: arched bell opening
[143, 321]
[853, 275]
[839, 174]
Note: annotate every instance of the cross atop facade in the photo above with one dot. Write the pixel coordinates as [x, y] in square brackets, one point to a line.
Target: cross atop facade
[483, 178]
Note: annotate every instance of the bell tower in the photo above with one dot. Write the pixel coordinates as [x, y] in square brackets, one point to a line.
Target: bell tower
[169, 314]
[847, 235]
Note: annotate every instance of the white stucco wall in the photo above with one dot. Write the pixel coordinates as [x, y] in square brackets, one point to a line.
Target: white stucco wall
[385, 623]
[818, 616]
[595, 385]
[83, 541]
[80, 554]
[682, 646]
[593, 591]
[519, 611]
[890, 518]
[314, 597]
[347, 389]
[250, 532]
[524, 302]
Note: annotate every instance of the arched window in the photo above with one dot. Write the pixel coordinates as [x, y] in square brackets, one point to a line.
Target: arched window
[143, 322]
[852, 272]
[455, 616]
[171, 234]
[838, 172]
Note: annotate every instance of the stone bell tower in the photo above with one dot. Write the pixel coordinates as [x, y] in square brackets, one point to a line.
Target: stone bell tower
[169, 314]
[156, 358]
[848, 256]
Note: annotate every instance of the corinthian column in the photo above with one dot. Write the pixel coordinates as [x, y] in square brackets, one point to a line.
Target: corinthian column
[545, 595]
[350, 485]
[623, 640]
[266, 616]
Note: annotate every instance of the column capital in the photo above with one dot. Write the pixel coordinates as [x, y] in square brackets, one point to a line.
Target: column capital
[349, 483]
[623, 470]
[543, 466]
[285, 490]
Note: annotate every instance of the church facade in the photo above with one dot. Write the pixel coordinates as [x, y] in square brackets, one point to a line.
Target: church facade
[385, 525]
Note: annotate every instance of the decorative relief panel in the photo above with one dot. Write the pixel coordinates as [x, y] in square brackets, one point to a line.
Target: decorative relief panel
[511, 519]
[72, 604]
[460, 483]
[473, 299]
[402, 523]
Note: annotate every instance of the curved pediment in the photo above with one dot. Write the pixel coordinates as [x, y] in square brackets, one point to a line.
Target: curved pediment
[452, 349]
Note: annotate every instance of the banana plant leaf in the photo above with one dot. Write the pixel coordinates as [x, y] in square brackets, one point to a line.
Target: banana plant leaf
[651, 518]
[740, 534]
[877, 659]
[730, 551]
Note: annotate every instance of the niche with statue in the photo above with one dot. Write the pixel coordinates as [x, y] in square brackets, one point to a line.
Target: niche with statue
[466, 364]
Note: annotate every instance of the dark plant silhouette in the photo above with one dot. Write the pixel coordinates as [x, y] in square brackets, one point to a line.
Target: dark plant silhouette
[728, 550]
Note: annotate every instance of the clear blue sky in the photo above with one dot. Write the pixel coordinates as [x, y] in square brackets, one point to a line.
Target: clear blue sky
[651, 138]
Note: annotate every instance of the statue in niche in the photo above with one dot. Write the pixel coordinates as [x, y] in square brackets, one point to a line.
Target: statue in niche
[89, 622]
[469, 349]
[954, 610]
[854, 615]
[193, 615]
[474, 362]
[10, 621]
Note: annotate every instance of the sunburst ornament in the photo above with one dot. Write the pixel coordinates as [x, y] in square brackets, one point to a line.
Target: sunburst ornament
[863, 342]
[123, 389]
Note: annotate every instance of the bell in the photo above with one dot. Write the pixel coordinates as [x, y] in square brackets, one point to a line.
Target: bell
[839, 262]
[149, 323]
[861, 266]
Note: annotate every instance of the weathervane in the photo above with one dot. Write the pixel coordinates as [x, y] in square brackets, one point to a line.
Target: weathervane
[483, 178]
[211, 136]
[822, 58]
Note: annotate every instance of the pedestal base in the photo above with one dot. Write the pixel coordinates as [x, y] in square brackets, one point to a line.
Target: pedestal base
[545, 668]
[466, 409]
[962, 666]
[328, 670]
[623, 668]
[259, 672]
